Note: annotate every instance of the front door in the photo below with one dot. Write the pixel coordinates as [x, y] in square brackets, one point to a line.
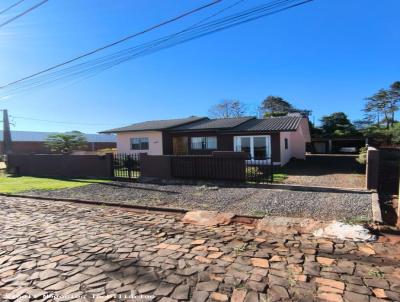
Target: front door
[180, 145]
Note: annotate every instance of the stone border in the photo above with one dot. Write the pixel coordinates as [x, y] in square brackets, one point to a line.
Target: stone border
[376, 209]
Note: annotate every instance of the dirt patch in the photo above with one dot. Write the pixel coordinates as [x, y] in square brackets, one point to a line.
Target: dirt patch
[341, 171]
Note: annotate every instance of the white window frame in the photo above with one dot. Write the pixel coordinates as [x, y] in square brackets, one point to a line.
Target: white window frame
[204, 142]
[237, 143]
[140, 143]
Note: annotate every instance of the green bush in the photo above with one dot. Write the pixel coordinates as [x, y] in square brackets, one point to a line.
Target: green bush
[362, 156]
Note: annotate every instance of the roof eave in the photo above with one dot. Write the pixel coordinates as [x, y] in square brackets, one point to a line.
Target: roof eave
[124, 131]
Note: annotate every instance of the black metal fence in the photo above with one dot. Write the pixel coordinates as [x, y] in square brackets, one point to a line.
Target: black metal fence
[126, 166]
[259, 171]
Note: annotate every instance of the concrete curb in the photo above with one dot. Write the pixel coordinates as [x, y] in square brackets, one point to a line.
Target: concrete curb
[100, 203]
[376, 209]
[296, 187]
[246, 219]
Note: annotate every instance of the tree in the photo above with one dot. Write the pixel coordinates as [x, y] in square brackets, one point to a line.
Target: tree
[337, 124]
[384, 103]
[66, 142]
[395, 133]
[394, 100]
[362, 124]
[228, 108]
[277, 106]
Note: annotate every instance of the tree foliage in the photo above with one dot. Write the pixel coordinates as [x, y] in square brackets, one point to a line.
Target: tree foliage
[337, 124]
[277, 106]
[395, 133]
[66, 142]
[228, 108]
[382, 106]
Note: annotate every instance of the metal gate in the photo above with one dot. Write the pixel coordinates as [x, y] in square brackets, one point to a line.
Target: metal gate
[259, 171]
[126, 166]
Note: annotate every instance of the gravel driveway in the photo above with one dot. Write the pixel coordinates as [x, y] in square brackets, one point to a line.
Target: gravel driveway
[326, 170]
[239, 200]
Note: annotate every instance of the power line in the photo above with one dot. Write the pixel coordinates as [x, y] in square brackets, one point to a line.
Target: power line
[92, 67]
[59, 122]
[146, 47]
[23, 13]
[140, 47]
[10, 7]
[116, 42]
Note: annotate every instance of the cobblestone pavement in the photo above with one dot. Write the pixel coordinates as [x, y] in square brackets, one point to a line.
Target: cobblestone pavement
[58, 251]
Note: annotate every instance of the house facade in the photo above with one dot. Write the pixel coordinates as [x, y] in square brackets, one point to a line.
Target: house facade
[275, 139]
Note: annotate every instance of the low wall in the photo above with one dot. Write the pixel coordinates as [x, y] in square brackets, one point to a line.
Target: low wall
[155, 166]
[389, 170]
[59, 165]
[220, 165]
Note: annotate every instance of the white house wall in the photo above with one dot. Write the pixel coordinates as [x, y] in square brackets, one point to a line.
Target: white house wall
[286, 154]
[155, 142]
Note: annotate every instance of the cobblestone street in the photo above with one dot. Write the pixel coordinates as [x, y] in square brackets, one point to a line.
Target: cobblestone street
[59, 251]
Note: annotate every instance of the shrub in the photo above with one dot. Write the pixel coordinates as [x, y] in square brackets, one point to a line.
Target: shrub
[362, 156]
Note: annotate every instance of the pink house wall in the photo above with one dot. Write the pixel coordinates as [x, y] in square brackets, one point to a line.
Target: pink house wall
[297, 142]
[155, 142]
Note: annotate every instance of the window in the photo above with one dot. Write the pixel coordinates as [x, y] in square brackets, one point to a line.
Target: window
[242, 144]
[140, 143]
[204, 143]
[286, 143]
[257, 147]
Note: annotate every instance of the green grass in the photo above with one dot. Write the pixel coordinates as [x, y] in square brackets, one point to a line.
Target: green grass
[11, 185]
[280, 177]
[259, 213]
[357, 220]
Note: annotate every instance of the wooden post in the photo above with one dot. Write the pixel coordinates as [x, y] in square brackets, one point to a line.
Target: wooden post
[398, 198]
[372, 170]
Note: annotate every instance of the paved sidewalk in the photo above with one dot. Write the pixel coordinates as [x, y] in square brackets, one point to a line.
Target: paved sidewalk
[110, 254]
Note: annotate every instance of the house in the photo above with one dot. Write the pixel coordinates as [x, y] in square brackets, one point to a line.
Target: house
[276, 138]
[34, 142]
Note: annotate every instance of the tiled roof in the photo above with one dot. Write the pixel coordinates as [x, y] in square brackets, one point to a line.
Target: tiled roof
[155, 125]
[213, 124]
[34, 136]
[282, 123]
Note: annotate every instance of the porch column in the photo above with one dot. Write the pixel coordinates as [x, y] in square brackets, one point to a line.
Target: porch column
[330, 146]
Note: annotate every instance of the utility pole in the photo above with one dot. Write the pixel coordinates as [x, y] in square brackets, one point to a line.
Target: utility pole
[7, 142]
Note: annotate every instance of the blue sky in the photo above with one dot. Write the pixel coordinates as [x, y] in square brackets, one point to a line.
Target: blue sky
[325, 56]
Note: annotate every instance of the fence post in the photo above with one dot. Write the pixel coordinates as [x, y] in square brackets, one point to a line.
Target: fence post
[398, 198]
[372, 169]
[110, 159]
[272, 171]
